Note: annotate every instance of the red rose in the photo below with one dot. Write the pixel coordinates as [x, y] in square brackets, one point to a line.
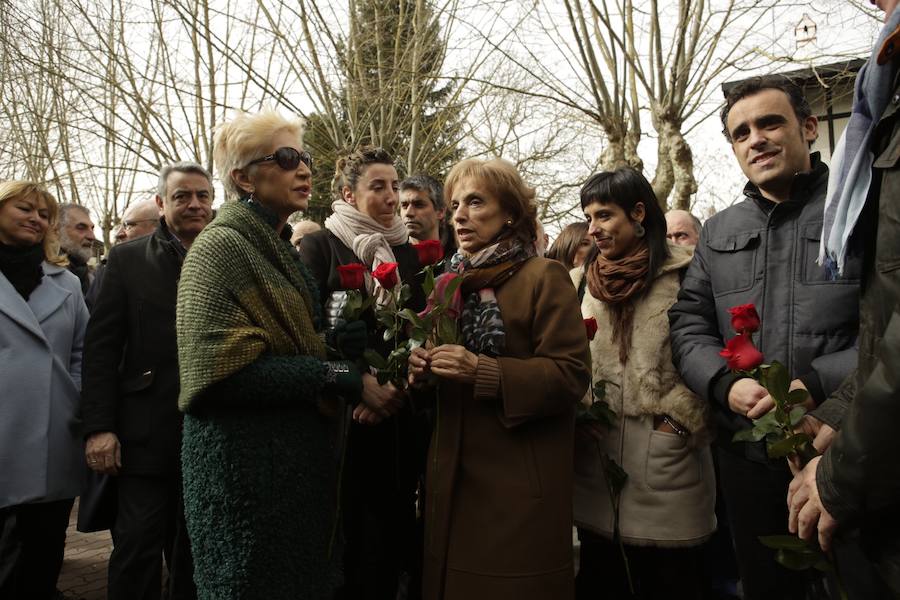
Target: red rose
[590, 326]
[744, 318]
[430, 252]
[353, 276]
[741, 354]
[386, 275]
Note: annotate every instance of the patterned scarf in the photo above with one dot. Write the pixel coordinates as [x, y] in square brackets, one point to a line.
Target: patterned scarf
[483, 272]
[617, 283]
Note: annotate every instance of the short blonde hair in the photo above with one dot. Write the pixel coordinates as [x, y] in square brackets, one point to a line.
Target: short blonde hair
[247, 137]
[29, 190]
[502, 179]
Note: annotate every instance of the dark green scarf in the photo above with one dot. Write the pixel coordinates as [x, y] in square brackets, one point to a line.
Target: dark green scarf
[243, 293]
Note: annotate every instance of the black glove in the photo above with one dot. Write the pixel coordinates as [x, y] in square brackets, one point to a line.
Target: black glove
[343, 378]
[348, 338]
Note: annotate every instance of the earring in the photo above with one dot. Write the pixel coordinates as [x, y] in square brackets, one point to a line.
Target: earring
[509, 223]
[639, 229]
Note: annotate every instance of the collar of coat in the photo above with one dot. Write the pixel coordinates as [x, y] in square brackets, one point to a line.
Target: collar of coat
[803, 187]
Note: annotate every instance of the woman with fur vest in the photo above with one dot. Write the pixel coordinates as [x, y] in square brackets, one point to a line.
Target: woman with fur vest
[660, 436]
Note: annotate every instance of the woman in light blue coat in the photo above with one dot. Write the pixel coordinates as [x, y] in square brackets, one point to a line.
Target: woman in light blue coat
[42, 323]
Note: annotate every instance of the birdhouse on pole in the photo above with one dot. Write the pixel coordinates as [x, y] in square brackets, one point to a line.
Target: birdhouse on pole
[805, 31]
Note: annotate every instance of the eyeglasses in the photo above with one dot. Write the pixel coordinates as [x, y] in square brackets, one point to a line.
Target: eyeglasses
[132, 224]
[286, 158]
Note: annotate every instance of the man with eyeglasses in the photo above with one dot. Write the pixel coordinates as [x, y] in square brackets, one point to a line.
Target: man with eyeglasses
[130, 391]
[140, 219]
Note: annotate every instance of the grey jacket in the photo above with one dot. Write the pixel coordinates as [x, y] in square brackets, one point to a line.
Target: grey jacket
[765, 253]
[41, 340]
[859, 476]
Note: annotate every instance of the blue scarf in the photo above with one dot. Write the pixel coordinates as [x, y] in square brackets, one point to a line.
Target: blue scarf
[851, 163]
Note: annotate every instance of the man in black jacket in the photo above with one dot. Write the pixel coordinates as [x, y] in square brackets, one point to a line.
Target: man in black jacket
[856, 484]
[130, 391]
[763, 251]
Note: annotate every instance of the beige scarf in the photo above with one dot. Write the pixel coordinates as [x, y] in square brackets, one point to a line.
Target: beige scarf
[370, 241]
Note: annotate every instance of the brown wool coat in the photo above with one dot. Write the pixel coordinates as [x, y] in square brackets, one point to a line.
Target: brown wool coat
[499, 504]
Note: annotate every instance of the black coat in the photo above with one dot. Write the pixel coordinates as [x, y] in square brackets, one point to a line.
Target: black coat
[859, 476]
[130, 374]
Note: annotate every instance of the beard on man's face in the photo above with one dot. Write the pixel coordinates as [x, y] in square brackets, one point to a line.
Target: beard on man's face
[69, 246]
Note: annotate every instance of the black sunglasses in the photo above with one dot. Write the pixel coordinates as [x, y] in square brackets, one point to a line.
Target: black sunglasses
[286, 158]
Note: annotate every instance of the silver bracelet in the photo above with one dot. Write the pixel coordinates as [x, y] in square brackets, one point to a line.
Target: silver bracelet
[333, 369]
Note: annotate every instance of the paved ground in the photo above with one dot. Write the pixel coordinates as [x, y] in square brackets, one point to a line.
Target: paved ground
[83, 573]
[84, 567]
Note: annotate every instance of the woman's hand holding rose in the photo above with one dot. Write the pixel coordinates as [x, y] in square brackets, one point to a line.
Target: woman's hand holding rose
[419, 371]
[454, 362]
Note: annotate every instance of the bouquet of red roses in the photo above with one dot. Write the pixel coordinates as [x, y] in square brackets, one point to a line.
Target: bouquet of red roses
[437, 321]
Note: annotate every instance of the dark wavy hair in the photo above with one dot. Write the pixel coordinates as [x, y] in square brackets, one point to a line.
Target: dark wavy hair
[755, 85]
[625, 187]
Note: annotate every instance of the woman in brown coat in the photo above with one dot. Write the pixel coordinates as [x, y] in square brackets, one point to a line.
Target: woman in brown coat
[498, 511]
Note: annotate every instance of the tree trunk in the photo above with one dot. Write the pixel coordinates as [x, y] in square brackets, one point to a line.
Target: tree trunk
[620, 151]
[682, 161]
[664, 177]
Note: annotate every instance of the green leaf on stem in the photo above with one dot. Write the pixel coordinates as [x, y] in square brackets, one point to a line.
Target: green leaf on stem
[615, 475]
[583, 414]
[353, 306]
[777, 381]
[389, 334]
[601, 412]
[797, 396]
[410, 315]
[446, 330]
[405, 293]
[796, 415]
[797, 554]
[374, 359]
[428, 284]
[386, 318]
[762, 427]
[398, 356]
[786, 446]
[451, 289]
[786, 542]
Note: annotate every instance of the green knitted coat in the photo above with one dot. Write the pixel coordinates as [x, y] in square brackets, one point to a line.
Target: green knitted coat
[257, 457]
